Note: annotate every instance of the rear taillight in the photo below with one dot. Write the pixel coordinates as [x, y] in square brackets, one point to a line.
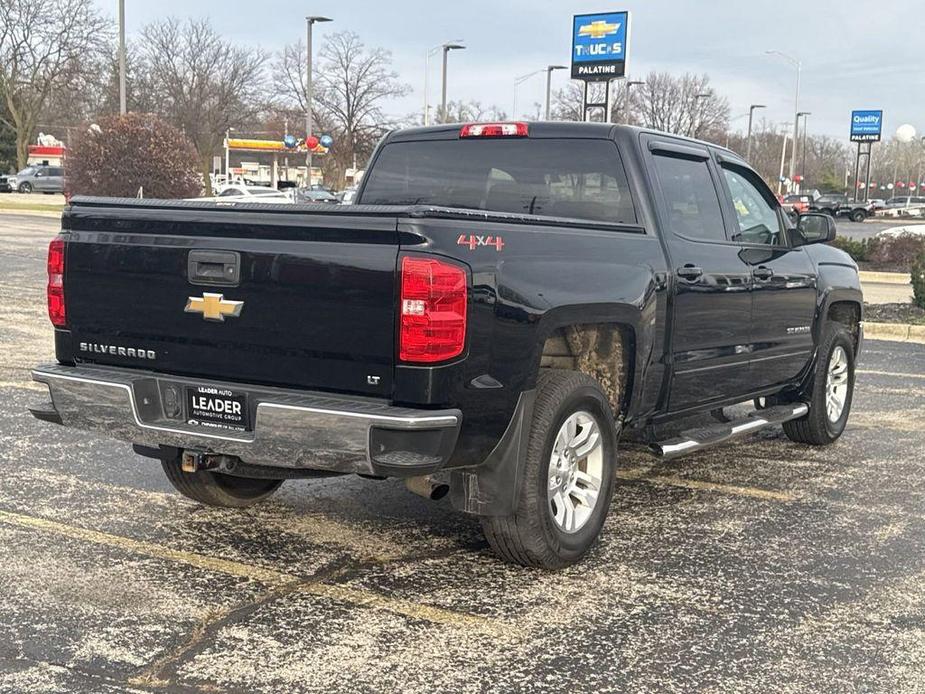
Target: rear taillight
[433, 310]
[494, 130]
[55, 288]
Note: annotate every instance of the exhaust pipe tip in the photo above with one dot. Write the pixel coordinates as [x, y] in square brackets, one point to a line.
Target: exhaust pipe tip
[427, 487]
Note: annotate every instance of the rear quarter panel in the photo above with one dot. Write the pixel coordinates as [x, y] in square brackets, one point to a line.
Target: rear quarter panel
[536, 279]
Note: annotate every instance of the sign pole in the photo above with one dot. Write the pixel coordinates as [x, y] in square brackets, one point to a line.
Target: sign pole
[857, 171]
[870, 149]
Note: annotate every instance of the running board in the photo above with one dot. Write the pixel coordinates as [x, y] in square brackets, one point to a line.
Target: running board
[704, 437]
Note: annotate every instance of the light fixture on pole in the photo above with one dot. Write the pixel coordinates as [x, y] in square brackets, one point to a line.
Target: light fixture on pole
[309, 23]
[447, 47]
[748, 139]
[796, 104]
[549, 70]
[427, 55]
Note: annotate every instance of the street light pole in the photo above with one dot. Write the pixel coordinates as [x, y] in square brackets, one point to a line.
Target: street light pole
[427, 55]
[626, 106]
[805, 115]
[796, 105]
[549, 69]
[309, 23]
[122, 57]
[697, 98]
[748, 139]
[447, 47]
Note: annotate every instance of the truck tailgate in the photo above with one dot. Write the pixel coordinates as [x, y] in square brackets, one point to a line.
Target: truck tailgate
[318, 293]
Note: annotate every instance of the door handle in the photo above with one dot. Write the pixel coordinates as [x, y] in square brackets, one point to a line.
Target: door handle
[689, 272]
[762, 273]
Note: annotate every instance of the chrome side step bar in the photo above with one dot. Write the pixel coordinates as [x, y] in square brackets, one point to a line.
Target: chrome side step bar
[704, 437]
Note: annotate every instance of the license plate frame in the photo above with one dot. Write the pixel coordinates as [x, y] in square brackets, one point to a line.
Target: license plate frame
[216, 407]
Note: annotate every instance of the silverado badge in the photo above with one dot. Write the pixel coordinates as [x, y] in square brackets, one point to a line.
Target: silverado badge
[214, 306]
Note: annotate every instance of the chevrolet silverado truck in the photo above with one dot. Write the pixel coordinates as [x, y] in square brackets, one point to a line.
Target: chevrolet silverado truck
[504, 304]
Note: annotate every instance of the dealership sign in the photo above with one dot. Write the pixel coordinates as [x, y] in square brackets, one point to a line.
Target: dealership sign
[599, 46]
[866, 126]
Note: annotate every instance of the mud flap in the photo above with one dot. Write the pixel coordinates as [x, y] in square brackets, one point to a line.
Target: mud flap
[491, 489]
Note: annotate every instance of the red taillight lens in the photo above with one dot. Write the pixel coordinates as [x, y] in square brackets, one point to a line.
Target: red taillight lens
[494, 130]
[433, 310]
[55, 288]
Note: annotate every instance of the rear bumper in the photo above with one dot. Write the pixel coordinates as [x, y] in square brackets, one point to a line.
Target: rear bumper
[291, 429]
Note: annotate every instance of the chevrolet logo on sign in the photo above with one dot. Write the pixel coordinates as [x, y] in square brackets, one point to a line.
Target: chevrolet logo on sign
[598, 29]
[214, 307]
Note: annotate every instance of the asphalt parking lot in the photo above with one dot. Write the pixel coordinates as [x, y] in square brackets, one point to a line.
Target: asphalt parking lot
[757, 566]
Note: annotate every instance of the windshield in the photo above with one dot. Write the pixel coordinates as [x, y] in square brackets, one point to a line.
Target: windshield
[575, 178]
[28, 171]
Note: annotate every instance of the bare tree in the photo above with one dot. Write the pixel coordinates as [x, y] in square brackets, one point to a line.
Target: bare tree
[684, 105]
[201, 83]
[351, 86]
[469, 112]
[45, 46]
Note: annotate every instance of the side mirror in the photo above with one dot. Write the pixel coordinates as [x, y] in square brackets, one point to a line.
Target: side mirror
[814, 227]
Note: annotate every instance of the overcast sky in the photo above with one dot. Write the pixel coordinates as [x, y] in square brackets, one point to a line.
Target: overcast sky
[855, 54]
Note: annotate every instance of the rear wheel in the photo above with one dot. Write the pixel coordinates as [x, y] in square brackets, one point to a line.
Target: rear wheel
[565, 486]
[216, 489]
[858, 216]
[831, 391]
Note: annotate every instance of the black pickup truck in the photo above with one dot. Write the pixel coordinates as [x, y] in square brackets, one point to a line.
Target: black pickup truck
[504, 303]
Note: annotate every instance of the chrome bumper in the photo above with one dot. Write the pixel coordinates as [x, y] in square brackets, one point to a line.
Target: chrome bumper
[292, 429]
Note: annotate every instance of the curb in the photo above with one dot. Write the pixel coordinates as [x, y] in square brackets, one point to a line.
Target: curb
[896, 332]
[885, 277]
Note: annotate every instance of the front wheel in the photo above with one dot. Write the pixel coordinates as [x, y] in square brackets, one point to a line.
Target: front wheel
[565, 486]
[216, 489]
[830, 393]
[25, 188]
[858, 216]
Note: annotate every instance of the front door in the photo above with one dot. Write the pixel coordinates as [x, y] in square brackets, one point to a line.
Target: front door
[712, 302]
[783, 280]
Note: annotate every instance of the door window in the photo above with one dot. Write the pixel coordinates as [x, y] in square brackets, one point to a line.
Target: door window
[757, 219]
[690, 195]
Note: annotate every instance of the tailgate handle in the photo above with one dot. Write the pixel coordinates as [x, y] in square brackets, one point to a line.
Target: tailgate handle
[222, 268]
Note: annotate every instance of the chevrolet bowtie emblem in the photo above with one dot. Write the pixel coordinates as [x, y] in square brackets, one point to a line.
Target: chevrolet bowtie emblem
[598, 29]
[214, 307]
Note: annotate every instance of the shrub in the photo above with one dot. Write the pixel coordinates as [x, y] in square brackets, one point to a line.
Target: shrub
[856, 249]
[918, 280]
[120, 154]
[896, 251]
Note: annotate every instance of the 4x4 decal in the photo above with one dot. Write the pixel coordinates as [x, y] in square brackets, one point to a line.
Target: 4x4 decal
[473, 241]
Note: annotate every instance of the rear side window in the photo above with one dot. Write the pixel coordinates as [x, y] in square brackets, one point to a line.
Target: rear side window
[693, 205]
[579, 179]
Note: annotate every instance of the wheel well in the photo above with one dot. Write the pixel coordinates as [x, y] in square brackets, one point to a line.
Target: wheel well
[848, 314]
[599, 350]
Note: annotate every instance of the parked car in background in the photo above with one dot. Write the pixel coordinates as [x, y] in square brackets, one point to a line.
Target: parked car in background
[313, 195]
[38, 179]
[346, 196]
[877, 203]
[798, 204]
[828, 203]
[237, 192]
[5, 186]
[904, 201]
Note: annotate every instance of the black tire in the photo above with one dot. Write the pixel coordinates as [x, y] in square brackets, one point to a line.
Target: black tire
[216, 489]
[25, 187]
[530, 536]
[858, 216]
[815, 427]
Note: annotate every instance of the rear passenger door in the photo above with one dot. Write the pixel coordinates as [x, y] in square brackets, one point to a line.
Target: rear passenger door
[783, 279]
[712, 304]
